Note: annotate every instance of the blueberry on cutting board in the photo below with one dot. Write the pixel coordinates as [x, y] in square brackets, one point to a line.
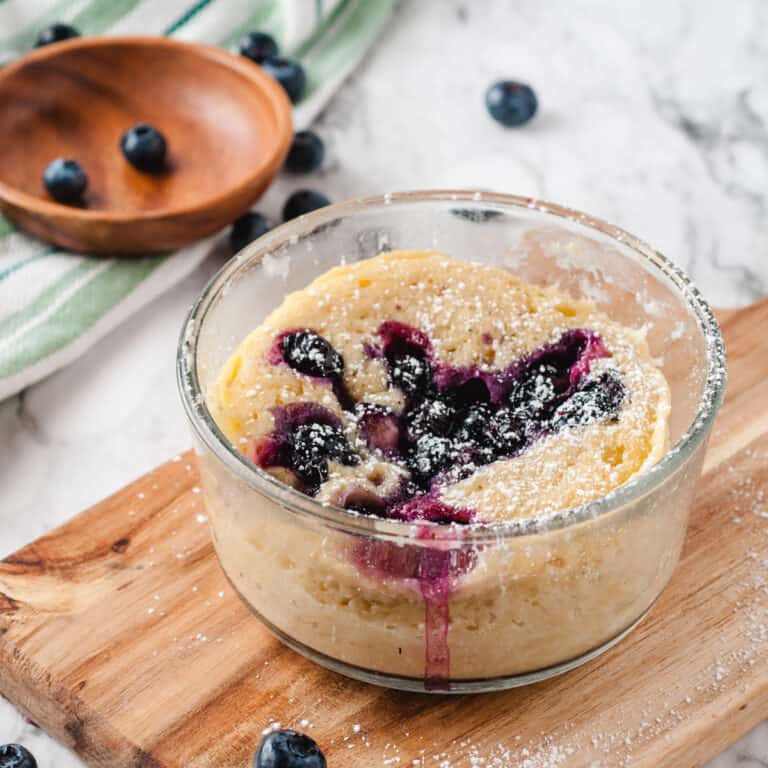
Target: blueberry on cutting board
[16, 756]
[288, 749]
[65, 181]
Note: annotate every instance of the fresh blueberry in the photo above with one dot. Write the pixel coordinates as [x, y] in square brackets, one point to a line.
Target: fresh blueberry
[65, 180]
[303, 201]
[16, 756]
[288, 749]
[258, 46]
[306, 153]
[144, 147]
[246, 229]
[55, 34]
[289, 73]
[511, 103]
[309, 353]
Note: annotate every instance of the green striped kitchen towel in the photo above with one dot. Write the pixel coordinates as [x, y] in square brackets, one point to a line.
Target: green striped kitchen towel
[55, 304]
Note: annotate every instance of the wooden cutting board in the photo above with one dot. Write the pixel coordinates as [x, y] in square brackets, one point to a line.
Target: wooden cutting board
[121, 637]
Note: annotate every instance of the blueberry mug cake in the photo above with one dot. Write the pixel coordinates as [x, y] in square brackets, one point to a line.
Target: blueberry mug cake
[419, 388]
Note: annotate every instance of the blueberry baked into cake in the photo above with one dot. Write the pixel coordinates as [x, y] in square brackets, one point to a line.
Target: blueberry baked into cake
[413, 386]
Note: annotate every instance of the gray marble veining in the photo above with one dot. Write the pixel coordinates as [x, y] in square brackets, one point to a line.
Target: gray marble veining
[654, 115]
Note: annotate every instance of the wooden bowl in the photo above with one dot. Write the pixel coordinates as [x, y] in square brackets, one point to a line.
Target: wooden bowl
[227, 123]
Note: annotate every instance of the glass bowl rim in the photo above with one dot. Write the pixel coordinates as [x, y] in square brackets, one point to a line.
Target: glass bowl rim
[474, 533]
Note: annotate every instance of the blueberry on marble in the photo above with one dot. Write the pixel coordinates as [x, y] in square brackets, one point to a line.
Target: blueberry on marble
[55, 34]
[246, 229]
[303, 201]
[144, 147]
[258, 46]
[309, 353]
[65, 180]
[288, 749]
[511, 103]
[289, 73]
[16, 756]
[306, 153]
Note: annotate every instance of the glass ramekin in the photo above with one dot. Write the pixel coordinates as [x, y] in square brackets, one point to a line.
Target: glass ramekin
[457, 608]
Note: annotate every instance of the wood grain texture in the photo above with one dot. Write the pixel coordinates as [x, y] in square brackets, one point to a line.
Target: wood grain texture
[227, 124]
[120, 635]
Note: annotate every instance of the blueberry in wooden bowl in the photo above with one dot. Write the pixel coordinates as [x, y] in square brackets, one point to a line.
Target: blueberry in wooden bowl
[227, 126]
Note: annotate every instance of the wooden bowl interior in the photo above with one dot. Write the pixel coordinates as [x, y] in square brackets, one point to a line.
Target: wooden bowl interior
[78, 102]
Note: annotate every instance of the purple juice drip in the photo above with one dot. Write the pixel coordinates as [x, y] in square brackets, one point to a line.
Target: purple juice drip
[456, 418]
[435, 571]
[437, 618]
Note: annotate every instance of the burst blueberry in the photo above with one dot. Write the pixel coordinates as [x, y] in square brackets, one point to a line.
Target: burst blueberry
[288, 749]
[596, 399]
[410, 372]
[55, 34]
[65, 181]
[511, 103]
[246, 229]
[144, 147]
[306, 153]
[380, 427]
[430, 416]
[303, 201]
[289, 73]
[16, 756]
[532, 397]
[431, 455]
[314, 446]
[309, 353]
[258, 46]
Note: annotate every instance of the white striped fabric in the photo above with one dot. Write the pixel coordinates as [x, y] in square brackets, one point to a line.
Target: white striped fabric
[55, 304]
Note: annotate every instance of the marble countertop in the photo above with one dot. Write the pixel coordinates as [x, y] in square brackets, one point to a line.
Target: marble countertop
[654, 115]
